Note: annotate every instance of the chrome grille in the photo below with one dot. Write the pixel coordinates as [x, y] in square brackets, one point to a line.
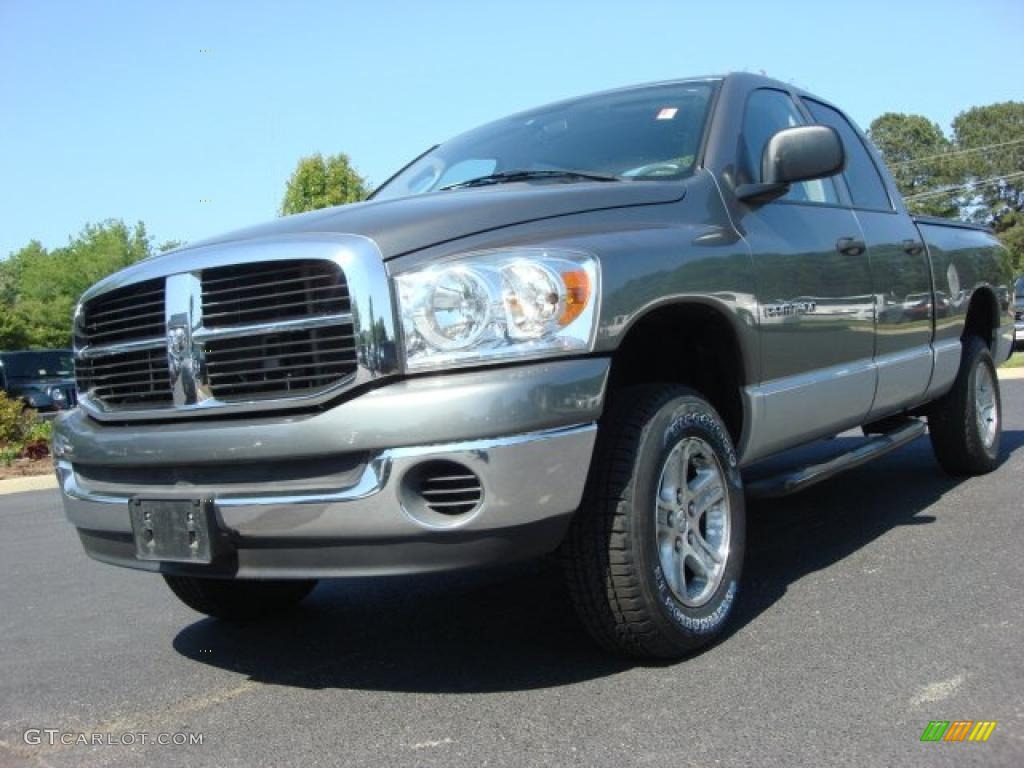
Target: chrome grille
[246, 327]
[242, 294]
[267, 362]
[127, 314]
[287, 363]
[126, 379]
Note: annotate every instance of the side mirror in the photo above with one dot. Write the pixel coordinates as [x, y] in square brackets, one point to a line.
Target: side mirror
[796, 154]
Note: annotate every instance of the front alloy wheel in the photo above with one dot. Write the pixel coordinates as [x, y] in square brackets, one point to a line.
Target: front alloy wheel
[653, 557]
[693, 521]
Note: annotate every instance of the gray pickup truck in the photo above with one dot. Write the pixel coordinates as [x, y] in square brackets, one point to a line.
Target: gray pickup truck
[572, 330]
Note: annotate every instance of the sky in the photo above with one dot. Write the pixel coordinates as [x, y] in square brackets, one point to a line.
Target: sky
[190, 116]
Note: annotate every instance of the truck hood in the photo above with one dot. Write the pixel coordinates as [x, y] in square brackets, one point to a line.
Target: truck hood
[408, 224]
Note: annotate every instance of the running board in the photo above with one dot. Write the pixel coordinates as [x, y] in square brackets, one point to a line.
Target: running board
[804, 477]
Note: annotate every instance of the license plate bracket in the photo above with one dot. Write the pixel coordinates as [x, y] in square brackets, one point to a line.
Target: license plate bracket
[174, 530]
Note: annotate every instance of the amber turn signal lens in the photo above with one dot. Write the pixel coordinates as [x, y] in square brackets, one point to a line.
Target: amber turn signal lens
[577, 294]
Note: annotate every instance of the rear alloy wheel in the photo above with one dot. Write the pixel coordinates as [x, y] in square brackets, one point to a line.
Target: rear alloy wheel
[653, 556]
[965, 425]
[239, 599]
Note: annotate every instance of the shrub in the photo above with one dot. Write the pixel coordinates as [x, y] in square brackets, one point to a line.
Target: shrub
[22, 434]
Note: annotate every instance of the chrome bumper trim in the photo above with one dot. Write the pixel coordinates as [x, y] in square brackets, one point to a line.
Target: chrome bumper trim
[526, 478]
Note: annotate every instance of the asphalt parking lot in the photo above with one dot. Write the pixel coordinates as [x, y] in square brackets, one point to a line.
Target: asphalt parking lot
[872, 604]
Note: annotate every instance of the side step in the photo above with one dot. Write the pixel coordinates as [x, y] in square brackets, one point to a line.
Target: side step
[804, 477]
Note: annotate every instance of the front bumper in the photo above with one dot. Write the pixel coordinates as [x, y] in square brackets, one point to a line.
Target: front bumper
[532, 475]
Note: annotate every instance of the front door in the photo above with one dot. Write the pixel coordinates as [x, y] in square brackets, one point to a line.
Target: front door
[815, 295]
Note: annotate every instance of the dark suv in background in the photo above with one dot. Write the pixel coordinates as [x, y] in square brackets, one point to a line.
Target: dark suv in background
[43, 378]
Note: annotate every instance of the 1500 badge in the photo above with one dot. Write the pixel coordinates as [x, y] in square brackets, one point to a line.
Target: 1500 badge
[789, 308]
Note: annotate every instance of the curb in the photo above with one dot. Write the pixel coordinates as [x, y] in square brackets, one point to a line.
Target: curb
[1011, 373]
[31, 483]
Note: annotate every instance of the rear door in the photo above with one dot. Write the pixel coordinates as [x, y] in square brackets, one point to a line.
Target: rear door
[815, 294]
[900, 273]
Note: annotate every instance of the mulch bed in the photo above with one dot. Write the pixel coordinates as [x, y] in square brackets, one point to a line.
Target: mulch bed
[27, 468]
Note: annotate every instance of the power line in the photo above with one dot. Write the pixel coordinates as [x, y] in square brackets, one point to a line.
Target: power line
[948, 190]
[980, 183]
[958, 152]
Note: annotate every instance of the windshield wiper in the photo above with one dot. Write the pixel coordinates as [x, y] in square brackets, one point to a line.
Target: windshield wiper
[510, 176]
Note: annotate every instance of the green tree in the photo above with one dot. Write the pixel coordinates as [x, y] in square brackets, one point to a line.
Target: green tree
[170, 245]
[39, 288]
[1010, 229]
[916, 151]
[320, 182]
[955, 175]
[999, 128]
[13, 328]
[991, 139]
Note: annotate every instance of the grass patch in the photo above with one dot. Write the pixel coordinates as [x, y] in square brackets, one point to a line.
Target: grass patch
[1016, 361]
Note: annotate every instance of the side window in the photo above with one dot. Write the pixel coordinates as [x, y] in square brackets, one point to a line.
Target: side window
[866, 187]
[768, 111]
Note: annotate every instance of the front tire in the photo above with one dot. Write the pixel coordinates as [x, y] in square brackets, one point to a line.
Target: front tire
[238, 599]
[965, 424]
[653, 557]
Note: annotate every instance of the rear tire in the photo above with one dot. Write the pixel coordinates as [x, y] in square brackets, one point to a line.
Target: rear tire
[965, 424]
[238, 599]
[653, 557]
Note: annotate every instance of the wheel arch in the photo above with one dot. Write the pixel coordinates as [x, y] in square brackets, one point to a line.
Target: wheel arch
[711, 354]
[982, 318]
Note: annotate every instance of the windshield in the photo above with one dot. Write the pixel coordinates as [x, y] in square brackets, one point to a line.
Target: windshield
[39, 365]
[640, 134]
[1019, 289]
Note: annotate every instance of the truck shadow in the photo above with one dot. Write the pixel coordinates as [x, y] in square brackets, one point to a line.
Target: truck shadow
[789, 538]
[513, 628]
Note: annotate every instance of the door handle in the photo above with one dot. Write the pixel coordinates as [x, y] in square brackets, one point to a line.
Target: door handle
[851, 246]
[913, 247]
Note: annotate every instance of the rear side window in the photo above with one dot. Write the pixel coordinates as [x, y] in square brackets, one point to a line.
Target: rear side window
[767, 112]
[861, 174]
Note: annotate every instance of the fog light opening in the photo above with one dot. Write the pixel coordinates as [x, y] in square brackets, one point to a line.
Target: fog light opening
[440, 493]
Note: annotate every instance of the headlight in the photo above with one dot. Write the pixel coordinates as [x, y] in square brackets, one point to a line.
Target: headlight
[496, 305]
[57, 395]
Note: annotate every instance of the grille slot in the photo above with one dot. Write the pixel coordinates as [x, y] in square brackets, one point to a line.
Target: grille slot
[130, 314]
[280, 364]
[447, 488]
[127, 378]
[127, 314]
[245, 294]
